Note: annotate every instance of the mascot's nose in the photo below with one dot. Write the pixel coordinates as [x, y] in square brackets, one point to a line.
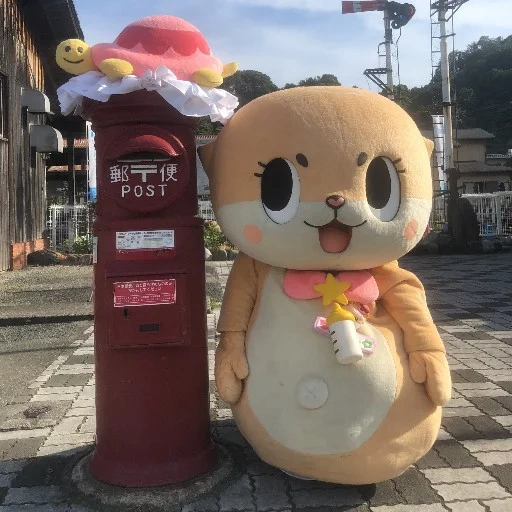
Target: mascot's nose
[335, 201]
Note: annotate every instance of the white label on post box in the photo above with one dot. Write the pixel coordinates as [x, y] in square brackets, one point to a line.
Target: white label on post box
[144, 240]
[145, 293]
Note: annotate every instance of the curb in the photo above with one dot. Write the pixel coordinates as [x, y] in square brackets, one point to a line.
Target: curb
[52, 319]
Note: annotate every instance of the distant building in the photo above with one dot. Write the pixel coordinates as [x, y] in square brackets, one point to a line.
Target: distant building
[480, 172]
[29, 34]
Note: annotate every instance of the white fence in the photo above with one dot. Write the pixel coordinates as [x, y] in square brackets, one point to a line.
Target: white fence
[66, 222]
[494, 212]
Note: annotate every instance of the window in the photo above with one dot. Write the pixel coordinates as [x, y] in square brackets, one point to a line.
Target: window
[4, 105]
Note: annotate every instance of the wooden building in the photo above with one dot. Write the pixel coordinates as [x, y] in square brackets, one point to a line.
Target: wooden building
[29, 33]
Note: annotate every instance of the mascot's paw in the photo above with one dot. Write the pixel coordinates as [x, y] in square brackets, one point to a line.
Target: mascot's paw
[431, 368]
[231, 366]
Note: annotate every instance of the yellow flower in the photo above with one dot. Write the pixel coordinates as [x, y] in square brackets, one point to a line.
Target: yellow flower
[332, 291]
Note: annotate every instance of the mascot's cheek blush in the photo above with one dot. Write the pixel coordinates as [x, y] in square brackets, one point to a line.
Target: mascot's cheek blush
[253, 234]
[411, 229]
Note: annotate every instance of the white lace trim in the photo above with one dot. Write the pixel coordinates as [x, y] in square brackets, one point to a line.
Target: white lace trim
[189, 98]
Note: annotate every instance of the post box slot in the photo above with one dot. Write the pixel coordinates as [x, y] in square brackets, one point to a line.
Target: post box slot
[149, 310]
[149, 327]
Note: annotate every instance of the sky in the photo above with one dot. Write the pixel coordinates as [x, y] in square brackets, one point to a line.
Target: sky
[290, 40]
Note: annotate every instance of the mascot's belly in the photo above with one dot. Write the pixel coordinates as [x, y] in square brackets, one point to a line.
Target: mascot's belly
[304, 412]
[302, 396]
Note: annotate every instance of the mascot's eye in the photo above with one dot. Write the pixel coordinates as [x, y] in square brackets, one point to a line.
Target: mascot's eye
[280, 190]
[383, 189]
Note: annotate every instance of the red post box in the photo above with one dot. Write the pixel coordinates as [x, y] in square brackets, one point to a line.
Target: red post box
[152, 389]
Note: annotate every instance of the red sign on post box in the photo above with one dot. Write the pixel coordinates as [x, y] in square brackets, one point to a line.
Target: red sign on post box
[145, 293]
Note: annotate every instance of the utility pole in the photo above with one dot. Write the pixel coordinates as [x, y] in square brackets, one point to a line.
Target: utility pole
[445, 10]
[388, 41]
[396, 15]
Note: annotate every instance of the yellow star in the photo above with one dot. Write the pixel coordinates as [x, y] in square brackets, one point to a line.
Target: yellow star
[332, 291]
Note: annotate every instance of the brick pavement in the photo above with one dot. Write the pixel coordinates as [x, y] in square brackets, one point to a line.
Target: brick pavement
[468, 470]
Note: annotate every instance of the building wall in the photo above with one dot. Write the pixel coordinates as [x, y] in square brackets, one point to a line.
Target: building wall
[22, 177]
[471, 151]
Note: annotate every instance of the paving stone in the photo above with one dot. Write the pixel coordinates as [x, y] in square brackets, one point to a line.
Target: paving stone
[507, 386]
[455, 454]
[206, 505]
[505, 401]
[499, 505]
[6, 480]
[41, 472]
[385, 493]
[436, 507]
[11, 466]
[24, 449]
[431, 460]
[43, 495]
[341, 496]
[462, 475]
[54, 507]
[415, 488]
[503, 474]
[489, 406]
[483, 445]
[460, 428]
[466, 506]
[494, 458]
[56, 439]
[489, 428]
[237, 496]
[506, 421]
[24, 434]
[462, 491]
[270, 493]
[78, 380]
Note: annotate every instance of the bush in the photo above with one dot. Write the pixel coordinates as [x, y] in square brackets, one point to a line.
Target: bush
[82, 245]
[214, 238]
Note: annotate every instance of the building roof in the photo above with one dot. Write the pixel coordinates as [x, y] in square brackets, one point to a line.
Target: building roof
[464, 134]
[480, 167]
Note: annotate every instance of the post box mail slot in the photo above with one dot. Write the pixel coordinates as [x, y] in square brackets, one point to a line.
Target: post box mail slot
[149, 311]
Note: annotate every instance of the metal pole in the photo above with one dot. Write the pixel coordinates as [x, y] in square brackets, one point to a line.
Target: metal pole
[388, 40]
[447, 100]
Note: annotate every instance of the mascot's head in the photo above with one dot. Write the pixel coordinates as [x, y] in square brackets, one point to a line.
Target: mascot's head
[321, 178]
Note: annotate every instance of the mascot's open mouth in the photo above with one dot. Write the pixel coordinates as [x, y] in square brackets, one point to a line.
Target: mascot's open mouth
[334, 237]
[73, 61]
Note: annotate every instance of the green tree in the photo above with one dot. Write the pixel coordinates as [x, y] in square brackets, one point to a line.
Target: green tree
[316, 80]
[248, 85]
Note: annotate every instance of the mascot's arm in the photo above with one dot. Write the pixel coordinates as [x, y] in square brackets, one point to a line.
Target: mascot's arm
[239, 299]
[402, 295]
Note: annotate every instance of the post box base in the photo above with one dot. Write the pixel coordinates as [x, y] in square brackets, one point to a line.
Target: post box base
[176, 472]
[166, 498]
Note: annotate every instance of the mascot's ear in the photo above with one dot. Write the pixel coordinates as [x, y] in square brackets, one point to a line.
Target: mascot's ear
[430, 146]
[206, 154]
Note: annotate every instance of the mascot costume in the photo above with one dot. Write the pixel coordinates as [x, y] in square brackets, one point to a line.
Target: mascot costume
[328, 354]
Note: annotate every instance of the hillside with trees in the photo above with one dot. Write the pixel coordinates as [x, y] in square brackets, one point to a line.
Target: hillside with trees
[482, 89]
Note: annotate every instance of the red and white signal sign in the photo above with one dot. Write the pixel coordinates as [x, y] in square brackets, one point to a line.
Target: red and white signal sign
[362, 6]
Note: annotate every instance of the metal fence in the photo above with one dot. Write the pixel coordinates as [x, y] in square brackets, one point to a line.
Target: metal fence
[66, 222]
[494, 212]
[206, 210]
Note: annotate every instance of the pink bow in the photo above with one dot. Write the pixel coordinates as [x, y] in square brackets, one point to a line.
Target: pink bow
[299, 284]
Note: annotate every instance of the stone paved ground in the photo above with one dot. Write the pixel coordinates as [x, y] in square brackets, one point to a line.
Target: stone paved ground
[468, 470]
